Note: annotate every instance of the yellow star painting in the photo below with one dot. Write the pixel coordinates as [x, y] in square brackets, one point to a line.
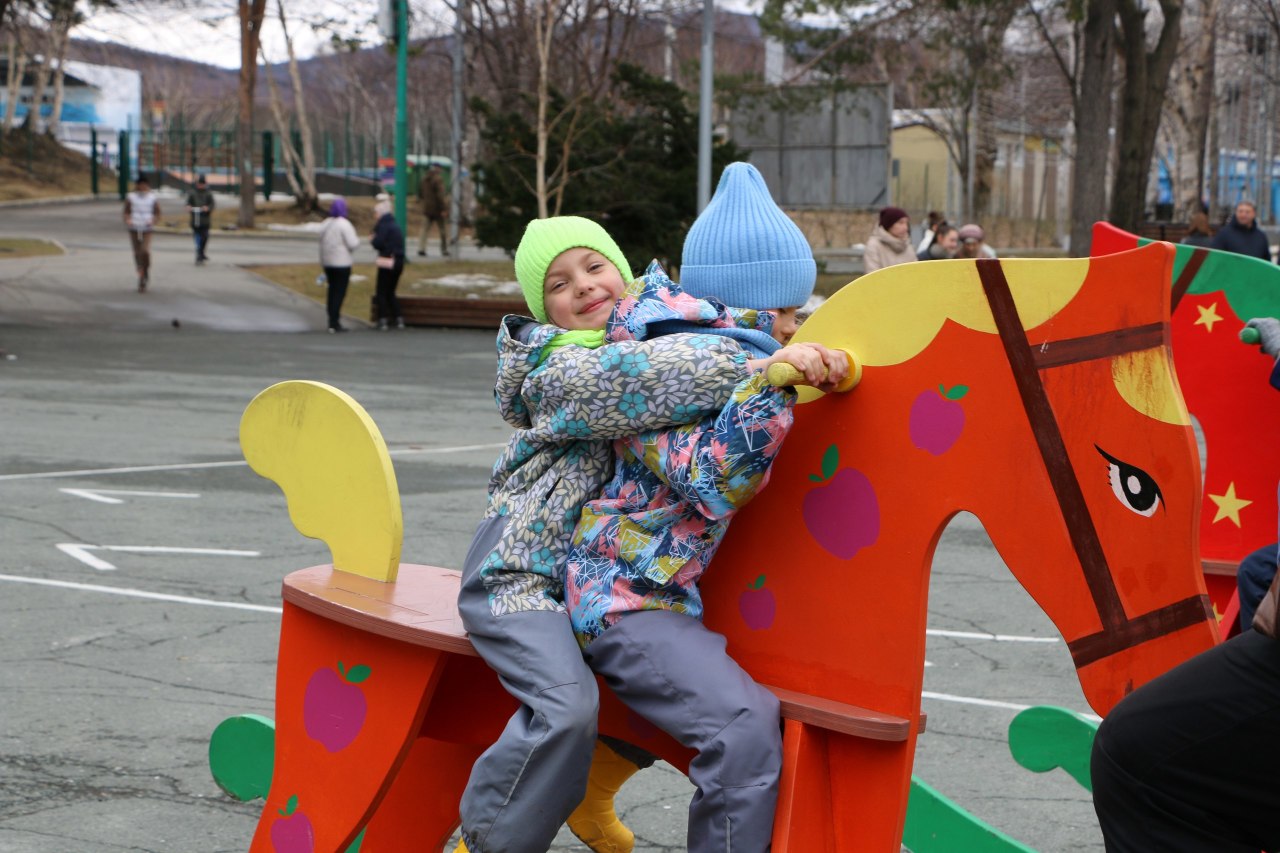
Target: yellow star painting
[1229, 505]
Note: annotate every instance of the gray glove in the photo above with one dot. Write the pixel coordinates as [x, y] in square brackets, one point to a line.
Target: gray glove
[1269, 334]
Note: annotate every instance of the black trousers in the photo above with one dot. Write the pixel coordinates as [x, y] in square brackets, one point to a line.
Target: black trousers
[385, 294]
[337, 278]
[1190, 763]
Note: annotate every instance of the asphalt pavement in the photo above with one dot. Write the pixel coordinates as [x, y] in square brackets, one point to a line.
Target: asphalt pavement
[140, 558]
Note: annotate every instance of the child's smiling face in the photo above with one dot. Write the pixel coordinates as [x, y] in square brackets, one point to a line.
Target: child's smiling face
[580, 289]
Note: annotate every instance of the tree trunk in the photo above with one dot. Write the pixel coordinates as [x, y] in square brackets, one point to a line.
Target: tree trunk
[1092, 125]
[251, 14]
[1141, 102]
[307, 197]
[1203, 107]
[544, 28]
[61, 38]
[16, 58]
[39, 84]
[292, 161]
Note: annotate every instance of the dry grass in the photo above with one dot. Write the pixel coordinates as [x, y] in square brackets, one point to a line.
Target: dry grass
[21, 247]
[419, 279]
[33, 167]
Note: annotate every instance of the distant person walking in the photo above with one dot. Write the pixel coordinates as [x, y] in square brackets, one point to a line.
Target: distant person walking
[338, 239]
[200, 206]
[1198, 232]
[141, 210]
[1242, 235]
[435, 209]
[388, 242]
[890, 241]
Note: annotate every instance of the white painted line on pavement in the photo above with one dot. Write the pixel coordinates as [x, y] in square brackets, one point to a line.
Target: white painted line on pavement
[986, 703]
[141, 593]
[191, 466]
[262, 608]
[101, 495]
[80, 551]
[999, 638]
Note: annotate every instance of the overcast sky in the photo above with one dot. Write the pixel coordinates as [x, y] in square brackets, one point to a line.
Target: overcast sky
[209, 32]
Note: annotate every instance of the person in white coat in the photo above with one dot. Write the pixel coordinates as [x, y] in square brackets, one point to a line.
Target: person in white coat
[890, 241]
[338, 239]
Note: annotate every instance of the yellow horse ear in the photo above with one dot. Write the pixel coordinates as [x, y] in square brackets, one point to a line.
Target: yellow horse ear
[325, 453]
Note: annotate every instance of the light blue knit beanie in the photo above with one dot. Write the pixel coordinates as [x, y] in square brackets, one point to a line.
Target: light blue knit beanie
[744, 251]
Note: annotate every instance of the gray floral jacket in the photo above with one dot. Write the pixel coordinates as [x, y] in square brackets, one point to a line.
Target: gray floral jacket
[566, 409]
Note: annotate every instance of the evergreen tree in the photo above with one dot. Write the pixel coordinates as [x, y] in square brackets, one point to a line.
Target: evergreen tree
[633, 167]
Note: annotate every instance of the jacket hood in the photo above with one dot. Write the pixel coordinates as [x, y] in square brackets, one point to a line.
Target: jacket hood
[521, 345]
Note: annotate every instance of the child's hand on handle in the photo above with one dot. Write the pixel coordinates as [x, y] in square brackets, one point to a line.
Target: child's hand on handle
[809, 364]
[1266, 332]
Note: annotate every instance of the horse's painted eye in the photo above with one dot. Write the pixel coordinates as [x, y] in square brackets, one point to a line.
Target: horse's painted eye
[1132, 486]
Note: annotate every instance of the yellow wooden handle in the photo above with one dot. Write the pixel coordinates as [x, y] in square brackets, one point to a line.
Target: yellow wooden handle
[782, 373]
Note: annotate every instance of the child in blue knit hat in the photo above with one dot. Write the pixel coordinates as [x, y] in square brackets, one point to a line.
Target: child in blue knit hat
[640, 549]
[580, 376]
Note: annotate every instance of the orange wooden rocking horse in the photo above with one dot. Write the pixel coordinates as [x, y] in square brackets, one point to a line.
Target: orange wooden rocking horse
[1036, 394]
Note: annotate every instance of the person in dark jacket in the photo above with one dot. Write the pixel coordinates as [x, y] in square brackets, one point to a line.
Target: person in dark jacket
[388, 242]
[200, 206]
[1242, 235]
[1187, 762]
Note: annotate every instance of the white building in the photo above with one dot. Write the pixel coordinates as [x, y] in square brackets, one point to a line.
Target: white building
[98, 97]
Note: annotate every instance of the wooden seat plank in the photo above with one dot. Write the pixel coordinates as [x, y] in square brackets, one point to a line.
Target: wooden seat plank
[421, 608]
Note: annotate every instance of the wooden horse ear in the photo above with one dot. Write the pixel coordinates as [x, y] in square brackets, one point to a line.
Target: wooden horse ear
[325, 453]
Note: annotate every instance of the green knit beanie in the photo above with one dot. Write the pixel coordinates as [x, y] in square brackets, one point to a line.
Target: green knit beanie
[545, 239]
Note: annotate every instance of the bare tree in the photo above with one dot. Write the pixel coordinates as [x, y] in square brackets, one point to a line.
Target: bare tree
[1188, 111]
[64, 16]
[300, 166]
[513, 41]
[1142, 94]
[16, 67]
[251, 13]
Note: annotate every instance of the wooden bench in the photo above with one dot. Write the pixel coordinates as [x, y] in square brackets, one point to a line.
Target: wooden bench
[458, 313]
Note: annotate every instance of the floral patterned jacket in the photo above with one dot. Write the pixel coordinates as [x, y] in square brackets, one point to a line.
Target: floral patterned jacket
[645, 542]
[567, 406]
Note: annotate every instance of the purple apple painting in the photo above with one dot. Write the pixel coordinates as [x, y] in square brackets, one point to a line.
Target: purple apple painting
[292, 832]
[842, 514]
[757, 605]
[334, 707]
[937, 418]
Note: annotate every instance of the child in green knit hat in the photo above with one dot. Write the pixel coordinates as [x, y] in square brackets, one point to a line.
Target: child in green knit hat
[569, 389]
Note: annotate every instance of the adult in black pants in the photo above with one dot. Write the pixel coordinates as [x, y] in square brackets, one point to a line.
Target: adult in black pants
[388, 242]
[1190, 763]
[338, 240]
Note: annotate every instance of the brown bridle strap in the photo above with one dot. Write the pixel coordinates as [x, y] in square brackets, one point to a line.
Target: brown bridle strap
[1189, 271]
[1118, 630]
[1172, 617]
[1104, 345]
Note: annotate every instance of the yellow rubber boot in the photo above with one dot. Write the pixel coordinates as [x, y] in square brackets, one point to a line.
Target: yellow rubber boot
[594, 821]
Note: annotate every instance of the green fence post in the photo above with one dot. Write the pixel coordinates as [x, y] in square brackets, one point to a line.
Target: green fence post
[122, 164]
[268, 164]
[93, 160]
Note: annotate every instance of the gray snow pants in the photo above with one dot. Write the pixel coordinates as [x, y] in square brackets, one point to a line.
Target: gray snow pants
[673, 671]
[523, 787]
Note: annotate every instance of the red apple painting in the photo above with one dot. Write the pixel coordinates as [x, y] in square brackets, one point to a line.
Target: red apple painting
[937, 418]
[333, 708]
[757, 605]
[292, 832]
[843, 514]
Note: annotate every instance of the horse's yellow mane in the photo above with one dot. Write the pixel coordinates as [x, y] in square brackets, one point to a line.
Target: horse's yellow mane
[899, 310]
[893, 315]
